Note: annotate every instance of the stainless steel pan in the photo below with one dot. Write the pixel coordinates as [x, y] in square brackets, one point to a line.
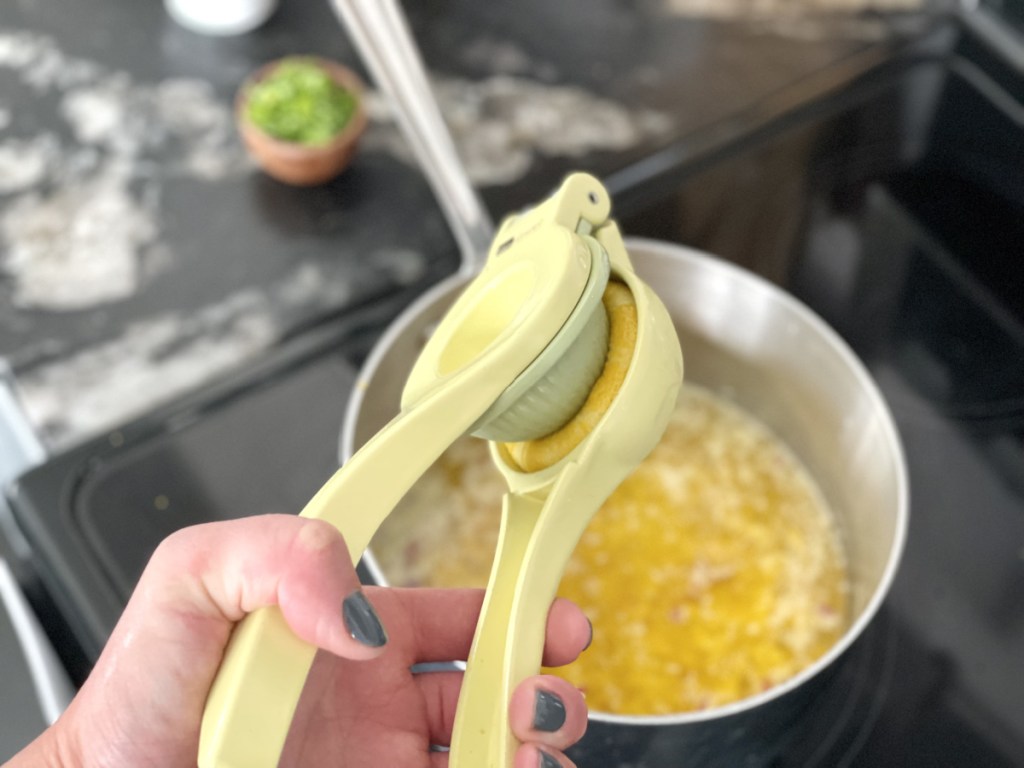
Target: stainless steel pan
[764, 350]
[741, 336]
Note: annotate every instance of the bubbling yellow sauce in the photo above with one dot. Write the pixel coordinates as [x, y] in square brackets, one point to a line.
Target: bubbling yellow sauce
[714, 572]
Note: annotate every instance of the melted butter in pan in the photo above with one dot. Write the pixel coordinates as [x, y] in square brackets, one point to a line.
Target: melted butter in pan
[714, 572]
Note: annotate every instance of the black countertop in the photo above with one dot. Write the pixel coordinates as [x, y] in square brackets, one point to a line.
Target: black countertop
[144, 255]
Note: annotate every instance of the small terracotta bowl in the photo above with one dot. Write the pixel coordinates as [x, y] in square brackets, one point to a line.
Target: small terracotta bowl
[301, 164]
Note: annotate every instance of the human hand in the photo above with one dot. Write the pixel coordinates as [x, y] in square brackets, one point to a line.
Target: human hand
[143, 703]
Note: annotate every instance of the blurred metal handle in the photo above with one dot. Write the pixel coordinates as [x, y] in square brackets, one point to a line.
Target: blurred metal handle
[20, 450]
[380, 32]
[53, 688]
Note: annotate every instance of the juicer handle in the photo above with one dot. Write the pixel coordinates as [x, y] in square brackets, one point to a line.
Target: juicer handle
[253, 698]
[380, 32]
[537, 538]
[481, 735]
[543, 521]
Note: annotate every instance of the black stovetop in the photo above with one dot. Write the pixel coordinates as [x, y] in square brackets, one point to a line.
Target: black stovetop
[895, 209]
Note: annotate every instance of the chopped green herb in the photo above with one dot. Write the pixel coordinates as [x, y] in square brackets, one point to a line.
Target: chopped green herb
[299, 102]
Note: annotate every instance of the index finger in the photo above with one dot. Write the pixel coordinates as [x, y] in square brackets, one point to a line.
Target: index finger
[436, 625]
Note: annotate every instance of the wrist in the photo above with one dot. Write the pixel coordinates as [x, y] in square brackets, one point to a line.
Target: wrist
[51, 749]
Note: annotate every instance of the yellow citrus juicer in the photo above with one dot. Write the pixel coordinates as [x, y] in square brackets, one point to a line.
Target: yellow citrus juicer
[520, 359]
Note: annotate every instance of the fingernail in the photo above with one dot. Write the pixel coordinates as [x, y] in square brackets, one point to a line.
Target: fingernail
[548, 712]
[590, 639]
[362, 621]
[547, 761]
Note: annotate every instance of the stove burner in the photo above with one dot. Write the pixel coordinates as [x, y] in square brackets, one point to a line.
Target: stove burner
[843, 717]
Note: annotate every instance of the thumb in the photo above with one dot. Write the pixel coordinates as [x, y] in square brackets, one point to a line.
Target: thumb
[219, 572]
[150, 684]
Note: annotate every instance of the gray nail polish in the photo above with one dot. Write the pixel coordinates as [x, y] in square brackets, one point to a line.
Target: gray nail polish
[547, 761]
[362, 621]
[548, 712]
[590, 639]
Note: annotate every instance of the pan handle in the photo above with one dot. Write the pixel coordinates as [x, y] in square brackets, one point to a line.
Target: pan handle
[380, 32]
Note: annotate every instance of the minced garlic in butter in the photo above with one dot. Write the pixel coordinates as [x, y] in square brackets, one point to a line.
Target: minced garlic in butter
[712, 573]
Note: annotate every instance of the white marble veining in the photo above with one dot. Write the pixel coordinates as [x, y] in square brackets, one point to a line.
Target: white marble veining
[77, 246]
[802, 19]
[504, 124]
[171, 353]
[81, 218]
[26, 162]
